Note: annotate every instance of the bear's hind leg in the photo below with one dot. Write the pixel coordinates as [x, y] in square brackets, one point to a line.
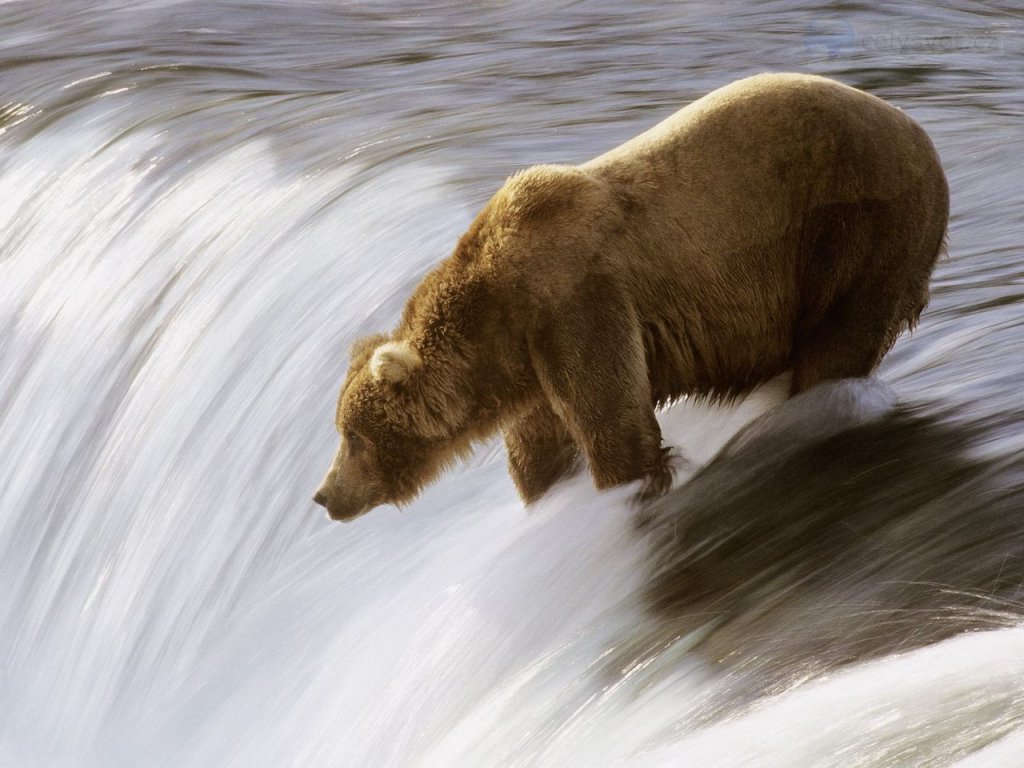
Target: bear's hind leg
[540, 451]
[850, 341]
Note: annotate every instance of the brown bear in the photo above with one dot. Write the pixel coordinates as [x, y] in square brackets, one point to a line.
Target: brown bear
[784, 221]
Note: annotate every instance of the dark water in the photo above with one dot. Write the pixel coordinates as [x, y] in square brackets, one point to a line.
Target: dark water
[202, 204]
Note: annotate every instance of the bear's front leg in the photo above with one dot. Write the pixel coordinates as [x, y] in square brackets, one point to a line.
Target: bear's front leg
[540, 451]
[622, 444]
[591, 365]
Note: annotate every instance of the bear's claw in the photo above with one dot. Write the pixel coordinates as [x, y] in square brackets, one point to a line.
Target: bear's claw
[658, 480]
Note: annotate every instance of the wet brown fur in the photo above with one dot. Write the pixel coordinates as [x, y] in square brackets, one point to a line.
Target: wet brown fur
[782, 222]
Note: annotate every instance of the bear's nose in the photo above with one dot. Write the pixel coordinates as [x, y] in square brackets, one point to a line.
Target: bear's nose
[320, 499]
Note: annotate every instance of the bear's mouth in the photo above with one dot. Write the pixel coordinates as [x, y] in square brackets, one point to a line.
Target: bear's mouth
[347, 515]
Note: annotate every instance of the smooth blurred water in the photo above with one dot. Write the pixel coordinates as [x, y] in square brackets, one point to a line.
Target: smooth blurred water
[203, 204]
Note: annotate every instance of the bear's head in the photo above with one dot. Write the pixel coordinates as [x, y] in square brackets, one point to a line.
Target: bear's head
[393, 441]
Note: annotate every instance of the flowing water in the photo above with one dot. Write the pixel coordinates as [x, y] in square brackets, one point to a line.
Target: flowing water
[203, 203]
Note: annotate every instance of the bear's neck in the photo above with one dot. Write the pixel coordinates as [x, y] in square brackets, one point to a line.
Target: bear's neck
[478, 393]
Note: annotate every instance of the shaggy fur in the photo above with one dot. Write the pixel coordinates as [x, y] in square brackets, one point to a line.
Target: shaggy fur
[784, 221]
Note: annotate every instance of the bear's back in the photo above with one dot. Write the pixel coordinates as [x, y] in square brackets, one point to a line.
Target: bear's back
[747, 165]
[770, 112]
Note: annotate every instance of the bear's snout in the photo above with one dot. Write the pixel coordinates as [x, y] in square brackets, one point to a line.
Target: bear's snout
[338, 509]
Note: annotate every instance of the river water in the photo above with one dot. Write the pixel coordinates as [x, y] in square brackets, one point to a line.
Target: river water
[203, 203]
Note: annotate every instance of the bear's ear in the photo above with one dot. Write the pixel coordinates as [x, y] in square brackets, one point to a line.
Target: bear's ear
[361, 348]
[394, 360]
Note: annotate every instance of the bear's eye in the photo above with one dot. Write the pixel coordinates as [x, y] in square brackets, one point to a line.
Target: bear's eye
[353, 441]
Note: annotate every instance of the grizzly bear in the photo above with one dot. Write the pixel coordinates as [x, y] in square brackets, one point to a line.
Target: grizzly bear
[784, 221]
